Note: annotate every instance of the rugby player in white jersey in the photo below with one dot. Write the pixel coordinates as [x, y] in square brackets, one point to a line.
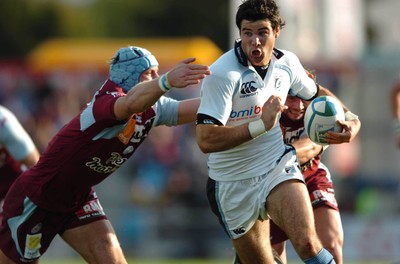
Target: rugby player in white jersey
[17, 151]
[253, 175]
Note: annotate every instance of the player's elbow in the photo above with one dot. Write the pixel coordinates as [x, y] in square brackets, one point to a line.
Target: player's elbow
[209, 138]
[204, 146]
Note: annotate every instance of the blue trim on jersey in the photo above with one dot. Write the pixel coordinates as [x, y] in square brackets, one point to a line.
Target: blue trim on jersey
[110, 132]
[285, 68]
[15, 222]
[87, 118]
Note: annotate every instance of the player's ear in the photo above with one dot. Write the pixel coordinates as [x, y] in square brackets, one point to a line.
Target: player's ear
[277, 31]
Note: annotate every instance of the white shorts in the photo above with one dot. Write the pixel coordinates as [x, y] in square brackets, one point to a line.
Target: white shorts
[238, 204]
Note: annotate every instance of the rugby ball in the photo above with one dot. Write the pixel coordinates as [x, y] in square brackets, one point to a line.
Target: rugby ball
[321, 116]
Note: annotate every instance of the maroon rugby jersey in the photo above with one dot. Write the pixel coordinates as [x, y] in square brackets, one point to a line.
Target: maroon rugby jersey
[84, 152]
[10, 169]
[292, 130]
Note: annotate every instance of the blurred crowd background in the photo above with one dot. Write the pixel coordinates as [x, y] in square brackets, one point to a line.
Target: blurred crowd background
[53, 57]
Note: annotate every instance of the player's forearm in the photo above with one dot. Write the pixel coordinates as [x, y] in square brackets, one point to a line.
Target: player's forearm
[213, 138]
[188, 110]
[306, 149]
[138, 99]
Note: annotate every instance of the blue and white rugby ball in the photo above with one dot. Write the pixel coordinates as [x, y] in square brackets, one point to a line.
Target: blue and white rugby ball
[321, 116]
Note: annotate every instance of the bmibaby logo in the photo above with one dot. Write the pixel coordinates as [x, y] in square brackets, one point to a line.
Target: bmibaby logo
[251, 112]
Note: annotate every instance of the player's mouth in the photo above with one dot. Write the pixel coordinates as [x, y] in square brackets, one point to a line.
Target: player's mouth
[257, 54]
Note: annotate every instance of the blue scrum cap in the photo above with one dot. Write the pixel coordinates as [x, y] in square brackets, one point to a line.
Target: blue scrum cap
[128, 64]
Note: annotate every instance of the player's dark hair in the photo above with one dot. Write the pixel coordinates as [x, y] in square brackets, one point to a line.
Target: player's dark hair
[254, 10]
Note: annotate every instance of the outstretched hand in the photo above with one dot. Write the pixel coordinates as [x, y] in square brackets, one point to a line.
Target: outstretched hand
[349, 131]
[185, 73]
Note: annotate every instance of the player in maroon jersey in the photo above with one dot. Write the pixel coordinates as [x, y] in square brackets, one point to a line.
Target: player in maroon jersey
[56, 195]
[318, 180]
[17, 151]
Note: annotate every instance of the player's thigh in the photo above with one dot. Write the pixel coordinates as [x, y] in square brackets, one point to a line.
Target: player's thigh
[329, 226]
[96, 242]
[289, 206]
[254, 247]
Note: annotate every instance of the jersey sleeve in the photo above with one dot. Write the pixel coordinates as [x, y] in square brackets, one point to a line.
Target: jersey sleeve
[99, 110]
[103, 106]
[216, 98]
[166, 111]
[302, 85]
[13, 136]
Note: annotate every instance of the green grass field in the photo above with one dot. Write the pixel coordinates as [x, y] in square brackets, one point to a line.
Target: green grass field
[192, 261]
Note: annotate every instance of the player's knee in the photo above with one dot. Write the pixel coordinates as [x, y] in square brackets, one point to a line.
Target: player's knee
[306, 247]
[333, 243]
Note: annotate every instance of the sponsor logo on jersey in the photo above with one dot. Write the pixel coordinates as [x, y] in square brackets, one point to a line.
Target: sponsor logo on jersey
[321, 196]
[92, 208]
[109, 166]
[32, 246]
[127, 133]
[250, 85]
[208, 121]
[246, 113]
[292, 135]
[141, 131]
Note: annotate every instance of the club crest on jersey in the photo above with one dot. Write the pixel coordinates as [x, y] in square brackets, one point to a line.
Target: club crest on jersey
[278, 81]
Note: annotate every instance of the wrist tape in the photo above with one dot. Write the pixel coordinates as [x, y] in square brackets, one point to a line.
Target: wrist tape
[163, 83]
[256, 128]
[348, 116]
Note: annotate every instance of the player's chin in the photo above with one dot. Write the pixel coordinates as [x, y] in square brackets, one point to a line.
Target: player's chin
[256, 60]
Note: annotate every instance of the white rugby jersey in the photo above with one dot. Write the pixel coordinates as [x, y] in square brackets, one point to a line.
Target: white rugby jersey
[235, 93]
[13, 136]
